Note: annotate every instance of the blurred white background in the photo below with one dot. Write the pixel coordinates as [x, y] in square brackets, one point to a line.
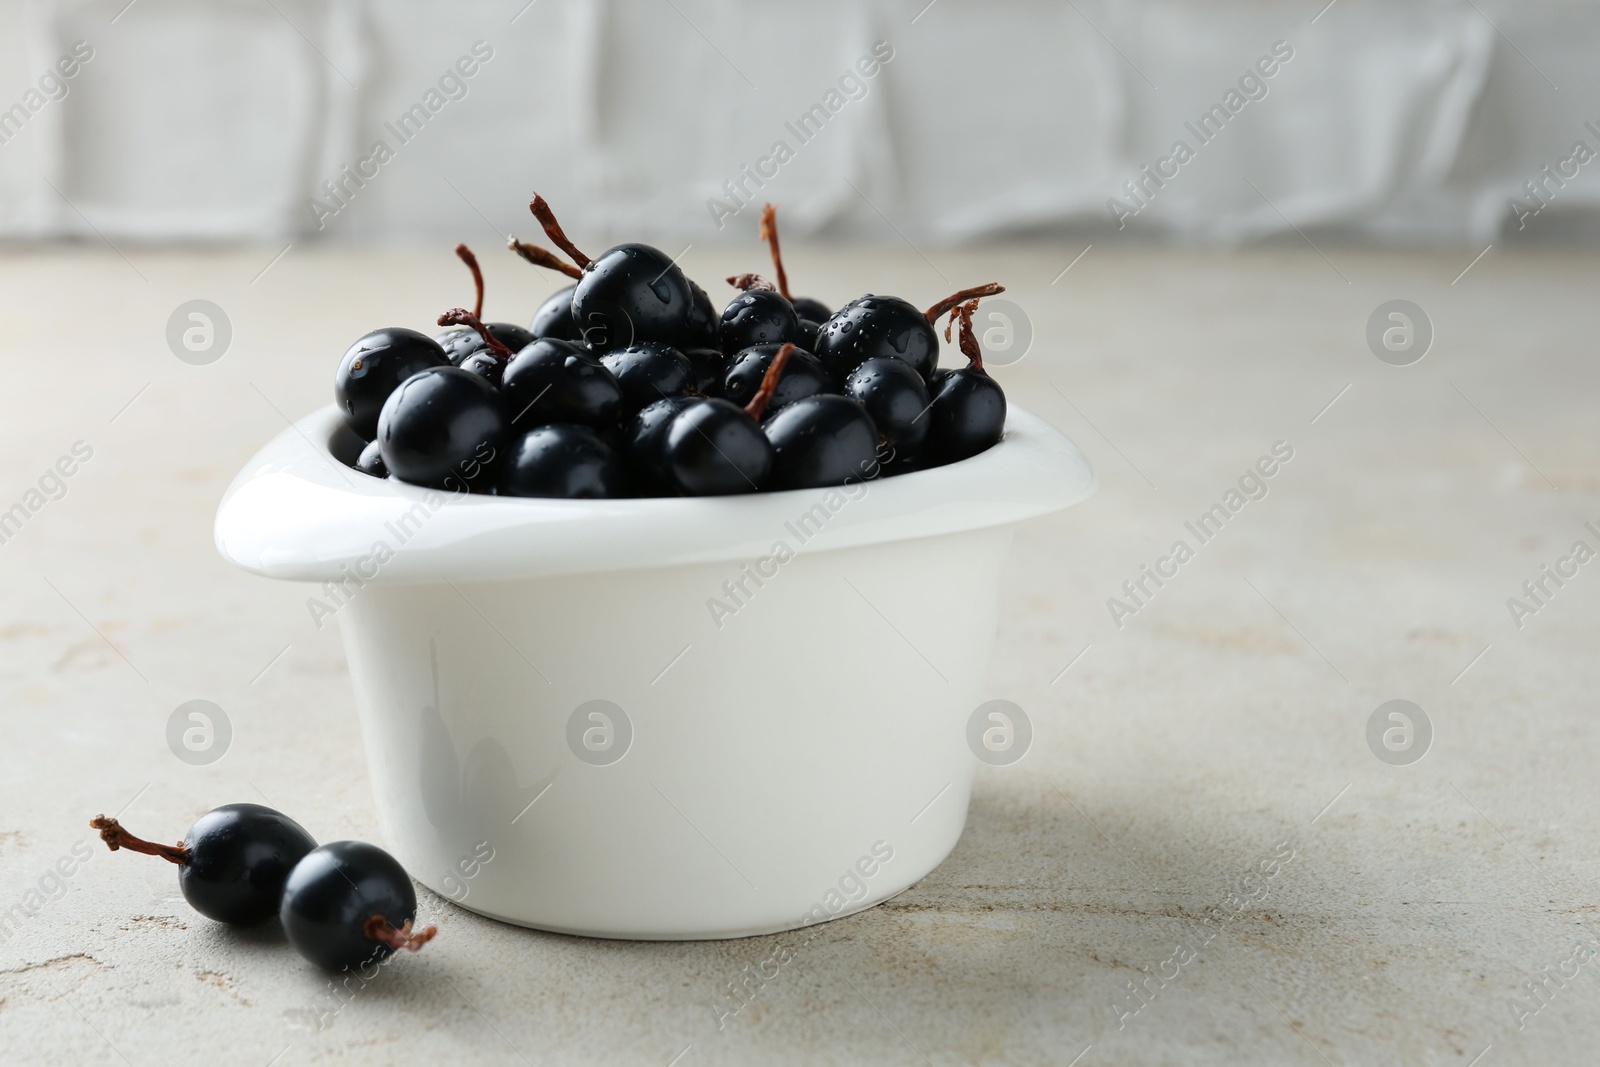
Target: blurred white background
[1403, 121]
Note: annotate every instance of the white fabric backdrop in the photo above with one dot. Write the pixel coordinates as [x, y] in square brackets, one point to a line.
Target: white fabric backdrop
[221, 119]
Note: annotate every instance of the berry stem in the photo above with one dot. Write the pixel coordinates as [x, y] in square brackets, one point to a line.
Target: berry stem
[769, 384]
[769, 233]
[552, 230]
[746, 282]
[465, 255]
[969, 340]
[951, 301]
[379, 929]
[115, 837]
[463, 317]
[955, 313]
[542, 257]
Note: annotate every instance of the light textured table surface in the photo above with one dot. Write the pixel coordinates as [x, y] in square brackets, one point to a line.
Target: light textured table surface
[1227, 717]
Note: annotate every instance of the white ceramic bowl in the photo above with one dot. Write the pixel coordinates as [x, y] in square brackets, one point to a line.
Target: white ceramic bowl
[797, 753]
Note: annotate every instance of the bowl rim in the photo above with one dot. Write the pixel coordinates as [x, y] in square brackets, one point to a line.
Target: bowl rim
[296, 512]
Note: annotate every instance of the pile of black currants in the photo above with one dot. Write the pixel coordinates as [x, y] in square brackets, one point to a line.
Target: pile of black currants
[343, 905]
[628, 383]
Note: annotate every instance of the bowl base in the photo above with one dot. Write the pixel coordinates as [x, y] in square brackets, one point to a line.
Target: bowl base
[705, 935]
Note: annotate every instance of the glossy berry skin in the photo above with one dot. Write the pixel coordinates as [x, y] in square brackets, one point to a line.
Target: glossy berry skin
[807, 308]
[802, 376]
[371, 461]
[710, 365]
[648, 372]
[701, 329]
[486, 365]
[807, 336]
[812, 314]
[645, 444]
[821, 441]
[331, 894]
[459, 345]
[240, 855]
[897, 399]
[509, 334]
[559, 381]
[968, 415]
[632, 293]
[374, 367]
[757, 317]
[877, 326]
[564, 460]
[443, 428]
[710, 448]
[554, 318]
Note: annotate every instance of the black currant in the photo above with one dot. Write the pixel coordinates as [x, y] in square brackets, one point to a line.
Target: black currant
[563, 459]
[371, 461]
[233, 862]
[807, 335]
[646, 443]
[648, 372]
[873, 326]
[708, 446]
[814, 310]
[757, 316]
[460, 345]
[554, 317]
[632, 293]
[348, 903]
[374, 367]
[490, 359]
[968, 416]
[967, 412]
[627, 294]
[485, 365]
[710, 367]
[443, 428]
[803, 376]
[887, 326]
[701, 329]
[510, 334]
[713, 448]
[560, 381]
[897, 399]
[821, 441]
